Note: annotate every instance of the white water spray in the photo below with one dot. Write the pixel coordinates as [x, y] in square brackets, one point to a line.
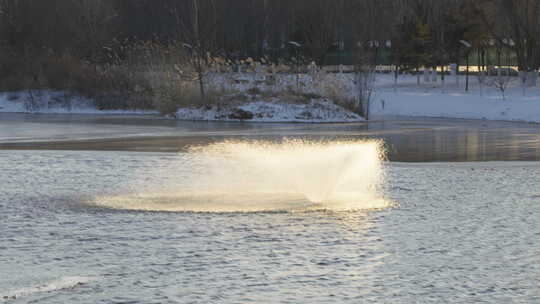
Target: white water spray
[248, 176]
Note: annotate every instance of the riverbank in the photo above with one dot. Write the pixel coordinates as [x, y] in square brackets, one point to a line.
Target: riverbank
[313, 111]
[486, 102]
[56, 102]
[247, 98]
[257, 109]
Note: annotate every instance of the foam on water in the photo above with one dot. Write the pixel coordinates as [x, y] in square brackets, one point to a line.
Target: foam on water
[62, 283]
[248, 176]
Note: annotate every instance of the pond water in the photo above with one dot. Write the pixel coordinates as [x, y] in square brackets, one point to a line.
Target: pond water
[406, 140]
[94, 226]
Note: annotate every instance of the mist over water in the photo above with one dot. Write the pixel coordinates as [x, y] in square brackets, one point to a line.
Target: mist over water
[250, 176]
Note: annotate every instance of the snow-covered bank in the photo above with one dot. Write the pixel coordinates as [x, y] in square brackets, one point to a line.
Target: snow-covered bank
[456, 105]
[255, 110]
[318, 110]
[55, 102]
[451, 100]
[314, 98]
[284, 97]
[410, 96]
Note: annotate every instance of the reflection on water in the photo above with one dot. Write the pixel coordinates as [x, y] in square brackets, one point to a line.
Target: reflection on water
[465, 141]
[415, 140]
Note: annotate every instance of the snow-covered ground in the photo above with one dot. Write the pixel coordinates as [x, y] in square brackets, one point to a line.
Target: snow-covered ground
[268, 99]
[255, 109]
[54, 102]
[407, 98]
[317, 110]
[412, 98]
[452, 101]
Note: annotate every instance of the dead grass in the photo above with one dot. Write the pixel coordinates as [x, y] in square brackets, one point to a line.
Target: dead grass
[149, 77]
[171, 96]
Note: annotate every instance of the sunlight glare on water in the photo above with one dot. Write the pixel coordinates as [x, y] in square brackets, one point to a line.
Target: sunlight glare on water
[249, 176]
[462, 233]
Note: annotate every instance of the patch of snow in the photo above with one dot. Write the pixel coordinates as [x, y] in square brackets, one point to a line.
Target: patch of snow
[456, 106]
[317, 110]
[451, 100]
[54, 102]
[55, 285]
[406, 98]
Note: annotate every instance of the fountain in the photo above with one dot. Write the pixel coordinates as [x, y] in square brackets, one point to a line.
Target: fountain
[250, 176]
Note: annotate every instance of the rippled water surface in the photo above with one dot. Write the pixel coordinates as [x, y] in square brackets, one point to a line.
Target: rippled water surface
[462, 233]
[406, 140]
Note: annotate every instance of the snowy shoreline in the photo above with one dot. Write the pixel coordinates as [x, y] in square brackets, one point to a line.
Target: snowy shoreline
[407, 99]
[57, 102]
[451, 101]
[258, 110]
[461, 106]
[314, 111]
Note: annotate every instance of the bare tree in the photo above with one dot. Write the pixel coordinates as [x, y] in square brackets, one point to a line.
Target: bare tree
[198, 31]
[501, 83]
[515, 26]
[319, 25]
[365, 78]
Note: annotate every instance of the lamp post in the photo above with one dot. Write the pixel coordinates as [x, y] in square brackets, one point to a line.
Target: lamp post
[341, 47]
[189, 49]
[468, 46]
[297, 47]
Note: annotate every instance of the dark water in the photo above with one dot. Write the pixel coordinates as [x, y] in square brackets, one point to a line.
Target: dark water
[415, 140]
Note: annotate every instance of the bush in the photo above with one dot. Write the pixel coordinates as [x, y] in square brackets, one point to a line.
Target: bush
[149, 76]
[254, 91]
[169, 97]
[310, 96]
[110, 86]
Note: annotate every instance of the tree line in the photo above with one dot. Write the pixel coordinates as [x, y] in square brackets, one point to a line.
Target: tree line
[423, 31]
[37, 36]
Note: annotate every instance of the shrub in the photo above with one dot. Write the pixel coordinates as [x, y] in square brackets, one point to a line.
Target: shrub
[169, 97]
[254, 91]
[113, 87]
[309, 96]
